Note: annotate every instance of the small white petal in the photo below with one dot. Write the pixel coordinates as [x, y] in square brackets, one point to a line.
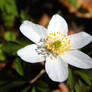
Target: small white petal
[56, 69]
[77, 59]
[80, 40]
[58, 24]
[29, 54]
[33, 31]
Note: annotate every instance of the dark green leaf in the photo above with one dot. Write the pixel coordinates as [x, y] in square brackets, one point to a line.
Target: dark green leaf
[74, 3]
[8, 19]
[26, 89]
[10, 85]
[11, 48]
[24, 16]
[2, 56]
[33, 90]
[42, 86]
[59, 12]
[80, 87]
[85, 76]
[10, 36]
[18, 66]
[71, 80]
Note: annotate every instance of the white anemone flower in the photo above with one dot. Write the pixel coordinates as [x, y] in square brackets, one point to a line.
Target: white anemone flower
[56, 47]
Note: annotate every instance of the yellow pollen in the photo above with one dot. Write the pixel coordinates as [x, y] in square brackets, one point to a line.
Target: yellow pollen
[54, 34]
[57, 43]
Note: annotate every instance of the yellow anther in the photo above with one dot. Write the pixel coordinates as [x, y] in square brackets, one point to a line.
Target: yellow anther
[65, 36]
[45, 38]
[69, 47]
[54, 34]
[50, 33]
[57, 37]
[48, 37]
[69, 42]
[57, 44]
[59, 33]
[62, 39]
[65, 45]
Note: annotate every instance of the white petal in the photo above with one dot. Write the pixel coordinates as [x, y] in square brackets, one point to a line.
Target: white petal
[77, 59]
[56, 69]
[29, 54]
[58, 24]
[33, 31]
[80, 40]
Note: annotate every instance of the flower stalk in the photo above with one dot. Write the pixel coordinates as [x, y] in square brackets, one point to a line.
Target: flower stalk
[37, 77]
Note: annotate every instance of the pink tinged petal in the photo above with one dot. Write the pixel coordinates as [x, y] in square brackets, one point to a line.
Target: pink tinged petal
[77, 59]
[29, 54]
[58, 24]
[80, 40]
[32, 31]
[56, 69]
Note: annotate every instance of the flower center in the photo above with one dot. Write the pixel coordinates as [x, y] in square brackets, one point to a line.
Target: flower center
[57, 43]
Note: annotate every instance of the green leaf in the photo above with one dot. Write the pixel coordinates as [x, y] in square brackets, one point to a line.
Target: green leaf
[10, 85]
[74, 3]
[71, 80]
[9, 12]
[11, 48]
[85, 76]
[26, 89]
[43, 87]
[80, 87]
[59, 12]
[10, 36]
[24, 15]
[2, 5]
[18, 67]
[11, 8]
[33, 90]
[8, 19]
[2, 56]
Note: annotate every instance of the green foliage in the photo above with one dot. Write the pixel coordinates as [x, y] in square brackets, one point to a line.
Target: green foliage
[2, 56]
[10, 36]
[25, 89]
[8, 19]
[74, 3]
[7, 86]
[10, 48]
[9, 11]
[24, 15]
[80, 87]
[59, 12]
[86, 75]
[71, 80]
[18, 66]
[33, 90]
[43, 87]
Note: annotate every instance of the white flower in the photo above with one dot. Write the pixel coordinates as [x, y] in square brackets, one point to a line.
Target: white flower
[56, 47]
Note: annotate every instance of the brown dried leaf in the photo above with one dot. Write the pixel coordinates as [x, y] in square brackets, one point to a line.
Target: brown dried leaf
[44, 20]
[84, 8]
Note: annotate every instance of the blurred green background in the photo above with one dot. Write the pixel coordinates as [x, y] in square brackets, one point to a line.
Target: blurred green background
[15, 75]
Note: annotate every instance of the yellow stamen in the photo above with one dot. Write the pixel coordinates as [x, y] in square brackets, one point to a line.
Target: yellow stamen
[57, 43]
